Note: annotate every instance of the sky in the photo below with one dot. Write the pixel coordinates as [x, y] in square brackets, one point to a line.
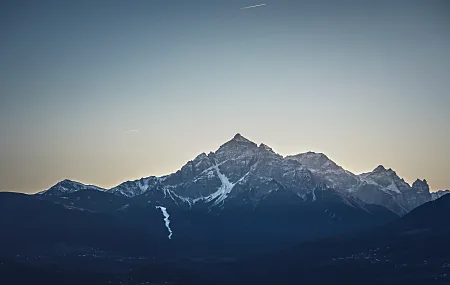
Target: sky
[107, 91]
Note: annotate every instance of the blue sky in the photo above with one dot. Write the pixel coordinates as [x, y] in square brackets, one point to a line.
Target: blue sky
[366, 82]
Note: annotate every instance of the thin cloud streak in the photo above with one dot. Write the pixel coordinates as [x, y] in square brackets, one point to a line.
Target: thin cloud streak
[254, 6]
[132, 131]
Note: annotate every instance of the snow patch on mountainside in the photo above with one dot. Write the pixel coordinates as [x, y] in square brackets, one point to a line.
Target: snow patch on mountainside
[143, 185]
[392, 187]
[166, 219]
[168, 192]
[187, 200]
[224, 190]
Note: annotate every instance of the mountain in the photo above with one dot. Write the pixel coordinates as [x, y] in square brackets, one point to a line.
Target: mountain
[384, 187]
[238, 166]
[411, 250]
[66, 187]
[429, 217]
[241, 199]
[239, 172]
[381, 186]
[439, 194]
[104, 222]
[31, 225]
[306, 218]
[328, 171]
[89, 199]
[241, 168]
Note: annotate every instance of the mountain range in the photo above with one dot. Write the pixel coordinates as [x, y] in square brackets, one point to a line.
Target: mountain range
[242, 214]
[240, 171]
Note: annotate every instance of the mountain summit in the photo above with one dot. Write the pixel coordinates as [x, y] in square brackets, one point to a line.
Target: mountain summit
[67, 186]
[325, 169]
[239, 138]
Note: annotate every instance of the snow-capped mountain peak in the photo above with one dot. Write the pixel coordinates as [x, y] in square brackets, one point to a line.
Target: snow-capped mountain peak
[67, 186]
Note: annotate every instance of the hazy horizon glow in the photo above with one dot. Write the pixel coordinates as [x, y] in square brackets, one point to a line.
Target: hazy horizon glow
[107, 91]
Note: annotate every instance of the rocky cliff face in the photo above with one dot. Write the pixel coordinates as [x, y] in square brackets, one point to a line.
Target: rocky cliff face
[384, 187]
[326, 170]
[439, 194]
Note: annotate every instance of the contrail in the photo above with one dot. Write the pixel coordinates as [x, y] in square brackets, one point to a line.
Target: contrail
[254, 6]
[132, 131]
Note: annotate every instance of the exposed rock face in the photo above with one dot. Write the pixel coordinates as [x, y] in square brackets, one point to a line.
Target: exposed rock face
[328, 171]
[417, 195]
[383, 187]
[439, 194]
[238, 166]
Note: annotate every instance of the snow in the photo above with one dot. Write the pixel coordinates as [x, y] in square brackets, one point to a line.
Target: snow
[137, 187]
[200, 159]
[67, 186]
[124, 207]
[210, 174]
[389, 189]
[166, 219]
[143, 186]
[392, 187]
[213, 168]
[302, 196]
[166, 192]
[171, 196]
[124, 194]
[264, 167]
[162, 178]
[222, 193]
[184, 199]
